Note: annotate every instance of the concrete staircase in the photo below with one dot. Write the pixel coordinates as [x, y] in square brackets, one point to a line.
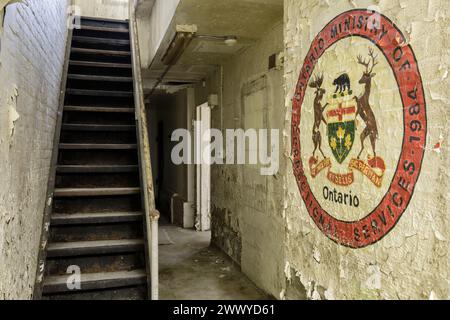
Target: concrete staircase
[97, 217]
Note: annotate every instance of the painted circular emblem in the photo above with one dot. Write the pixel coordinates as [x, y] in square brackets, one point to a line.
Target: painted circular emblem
[358, 128]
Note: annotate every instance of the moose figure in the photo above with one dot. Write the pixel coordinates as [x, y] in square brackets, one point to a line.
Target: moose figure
[318, 113]
[342, 82]
[364, 109]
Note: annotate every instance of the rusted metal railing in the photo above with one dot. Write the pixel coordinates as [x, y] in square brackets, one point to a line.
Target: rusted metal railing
[148, 199]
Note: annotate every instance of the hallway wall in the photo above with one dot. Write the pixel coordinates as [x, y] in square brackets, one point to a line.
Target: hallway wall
[412, 260]
[246, 207]
[32, 57]
[394, 243]
[110, 9]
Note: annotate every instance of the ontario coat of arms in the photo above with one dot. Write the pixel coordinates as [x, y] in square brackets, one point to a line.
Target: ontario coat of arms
[358, 127]
[339, 114]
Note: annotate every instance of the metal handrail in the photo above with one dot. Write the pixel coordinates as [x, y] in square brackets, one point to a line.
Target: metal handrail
[151, 214]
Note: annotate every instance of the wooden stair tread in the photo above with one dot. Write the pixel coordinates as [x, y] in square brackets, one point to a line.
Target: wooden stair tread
[59, 219]
[99, 109]
[104, 29]
[93, 281]
[92, 192]
[99, 93]
[88, 77]
[96, 168]
[97, 127]
[97, 40]
[99, 64]
[98, 19]
[100, 52]
[97, 146]
[97, 247]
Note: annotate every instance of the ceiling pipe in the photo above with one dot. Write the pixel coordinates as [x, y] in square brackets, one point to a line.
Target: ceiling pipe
[176, 48]
[180, 42]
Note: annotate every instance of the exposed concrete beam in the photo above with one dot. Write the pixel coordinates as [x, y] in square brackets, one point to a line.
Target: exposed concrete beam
[144, 8]
[153, 26]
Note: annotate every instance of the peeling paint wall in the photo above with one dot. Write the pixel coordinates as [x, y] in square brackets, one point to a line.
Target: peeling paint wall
[109, 9]
[246, 207]
[31, 61]
[412, 260]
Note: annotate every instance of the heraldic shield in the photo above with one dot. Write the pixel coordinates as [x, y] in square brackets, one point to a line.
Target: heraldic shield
[341, 115]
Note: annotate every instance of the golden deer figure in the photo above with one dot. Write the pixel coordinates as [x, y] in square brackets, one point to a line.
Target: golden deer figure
[318, 113]
[364, 109]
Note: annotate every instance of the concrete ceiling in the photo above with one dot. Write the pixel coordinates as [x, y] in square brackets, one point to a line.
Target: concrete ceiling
[246, 19]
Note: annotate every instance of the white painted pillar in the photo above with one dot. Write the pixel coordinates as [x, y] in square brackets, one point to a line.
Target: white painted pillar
[189, 206]
[203, 219]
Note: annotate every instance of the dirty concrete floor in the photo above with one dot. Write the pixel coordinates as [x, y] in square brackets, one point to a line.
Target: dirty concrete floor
[192, 270]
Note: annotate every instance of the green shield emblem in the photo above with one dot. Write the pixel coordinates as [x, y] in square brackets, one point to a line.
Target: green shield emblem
[341, 115]
[341, 136]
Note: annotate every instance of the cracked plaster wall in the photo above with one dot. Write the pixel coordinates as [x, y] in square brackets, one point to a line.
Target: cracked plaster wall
[246, 208]
[32, 56]
[412, 261]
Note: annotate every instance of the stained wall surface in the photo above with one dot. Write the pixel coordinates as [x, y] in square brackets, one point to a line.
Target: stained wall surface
[110, 9]
[246, 207]
[32, 56]
[411, 261]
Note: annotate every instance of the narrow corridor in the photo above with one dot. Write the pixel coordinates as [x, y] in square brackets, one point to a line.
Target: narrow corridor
[190, 269]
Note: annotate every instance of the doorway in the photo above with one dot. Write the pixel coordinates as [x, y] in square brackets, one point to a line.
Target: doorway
[182, 191]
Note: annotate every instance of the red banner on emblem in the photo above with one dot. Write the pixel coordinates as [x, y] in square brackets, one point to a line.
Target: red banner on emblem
[343, 180]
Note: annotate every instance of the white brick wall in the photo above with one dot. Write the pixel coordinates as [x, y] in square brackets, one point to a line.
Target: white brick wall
[32, 56]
